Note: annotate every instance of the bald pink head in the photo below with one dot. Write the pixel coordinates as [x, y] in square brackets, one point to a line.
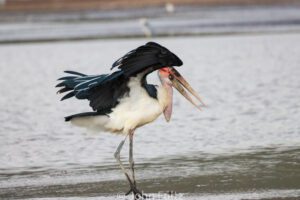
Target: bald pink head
[170, 78]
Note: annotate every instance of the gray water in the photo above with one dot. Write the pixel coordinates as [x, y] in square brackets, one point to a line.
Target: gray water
[243, 145]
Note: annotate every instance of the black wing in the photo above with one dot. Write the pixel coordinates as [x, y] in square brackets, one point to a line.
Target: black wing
[150, 57]
[104, 91]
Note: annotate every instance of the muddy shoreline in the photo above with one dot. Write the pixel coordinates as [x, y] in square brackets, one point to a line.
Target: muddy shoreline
[76, 5]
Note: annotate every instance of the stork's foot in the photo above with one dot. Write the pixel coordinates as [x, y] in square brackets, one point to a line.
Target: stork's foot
[137, 193]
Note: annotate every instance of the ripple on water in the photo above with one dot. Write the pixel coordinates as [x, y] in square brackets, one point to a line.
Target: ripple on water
[247, 137]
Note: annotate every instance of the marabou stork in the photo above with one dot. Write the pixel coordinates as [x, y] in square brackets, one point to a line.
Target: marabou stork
[123, 100]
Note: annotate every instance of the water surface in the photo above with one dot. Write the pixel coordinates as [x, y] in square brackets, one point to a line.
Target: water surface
[244, 145]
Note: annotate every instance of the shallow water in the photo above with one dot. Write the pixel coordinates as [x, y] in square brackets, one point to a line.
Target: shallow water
[244, 145]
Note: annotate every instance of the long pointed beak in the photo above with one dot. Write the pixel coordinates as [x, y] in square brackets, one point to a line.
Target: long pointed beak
[178, 81]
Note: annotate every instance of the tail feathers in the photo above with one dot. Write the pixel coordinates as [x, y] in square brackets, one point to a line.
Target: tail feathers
[86, 114]
[90, 120]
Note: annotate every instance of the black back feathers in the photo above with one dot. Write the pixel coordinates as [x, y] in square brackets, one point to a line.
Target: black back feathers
[150, 57]
[104, 91]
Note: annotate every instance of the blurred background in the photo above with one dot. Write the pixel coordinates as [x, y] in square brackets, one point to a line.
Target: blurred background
[242, 56]
[50, 20]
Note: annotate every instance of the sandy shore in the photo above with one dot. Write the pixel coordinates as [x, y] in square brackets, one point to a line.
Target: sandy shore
[68, 5]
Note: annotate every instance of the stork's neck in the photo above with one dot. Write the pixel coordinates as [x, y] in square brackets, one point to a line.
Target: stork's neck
[151, 89]
[165, 96]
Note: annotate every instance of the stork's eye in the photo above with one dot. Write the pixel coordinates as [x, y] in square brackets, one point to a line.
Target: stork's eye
[171, 77]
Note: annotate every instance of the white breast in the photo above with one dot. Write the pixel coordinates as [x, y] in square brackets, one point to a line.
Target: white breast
[134, 110]
[137, 109]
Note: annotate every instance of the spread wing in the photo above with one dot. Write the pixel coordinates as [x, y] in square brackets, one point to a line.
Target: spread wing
[104, 91]
[150, 57]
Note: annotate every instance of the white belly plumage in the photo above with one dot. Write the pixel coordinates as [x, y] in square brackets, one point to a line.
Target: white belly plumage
[132, 113]
[134, 110]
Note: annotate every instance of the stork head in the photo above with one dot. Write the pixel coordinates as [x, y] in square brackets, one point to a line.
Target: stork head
[169, 78]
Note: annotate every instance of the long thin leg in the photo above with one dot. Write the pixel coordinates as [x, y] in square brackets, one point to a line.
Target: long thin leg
[131, 161]
[136, 192]
[118, 158]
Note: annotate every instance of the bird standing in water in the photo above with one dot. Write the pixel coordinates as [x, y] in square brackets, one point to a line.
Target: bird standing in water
[123, 100]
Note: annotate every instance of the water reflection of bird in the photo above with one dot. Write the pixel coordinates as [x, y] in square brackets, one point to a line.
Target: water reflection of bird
[123, 100]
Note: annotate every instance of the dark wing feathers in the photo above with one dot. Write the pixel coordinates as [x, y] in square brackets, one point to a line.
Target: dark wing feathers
[77, 83]
[104, 91]
[66, 78]
[62, 90]
[151, 56]
[69, 95]
[105, 96]
[74, 73]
